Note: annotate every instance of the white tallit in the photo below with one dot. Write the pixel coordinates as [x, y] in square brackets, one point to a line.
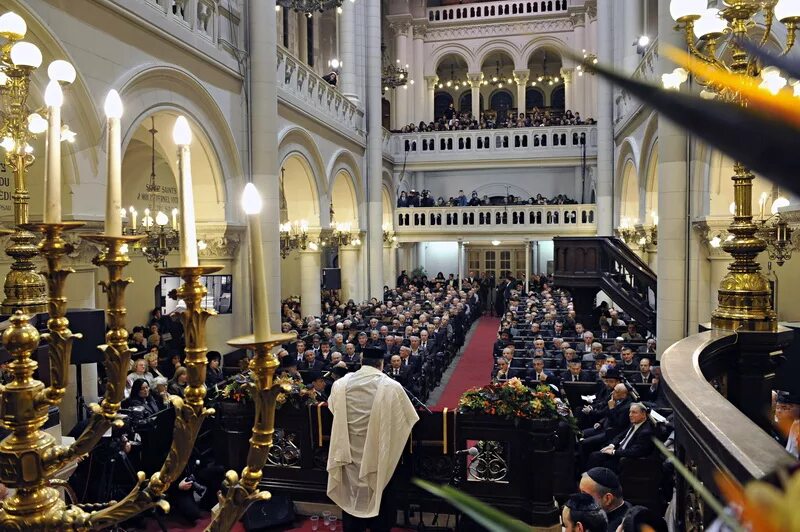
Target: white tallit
[372, 420]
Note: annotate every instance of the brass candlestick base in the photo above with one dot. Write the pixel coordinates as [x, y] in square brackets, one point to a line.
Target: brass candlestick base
[29, 456]
[241, 492]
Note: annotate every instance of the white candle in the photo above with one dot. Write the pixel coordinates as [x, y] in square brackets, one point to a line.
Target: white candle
[251, 201]
[134, 214]
[54, 98]
[113, 109]
[175, 219]
[182, 135]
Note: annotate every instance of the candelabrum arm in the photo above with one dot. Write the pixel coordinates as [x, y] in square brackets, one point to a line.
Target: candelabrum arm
[241, 492]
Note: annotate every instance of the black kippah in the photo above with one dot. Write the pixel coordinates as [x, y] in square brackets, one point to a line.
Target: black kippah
[604, 477]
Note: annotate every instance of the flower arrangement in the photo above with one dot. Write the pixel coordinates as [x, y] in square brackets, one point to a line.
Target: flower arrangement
[510, 399]
[239, 390]
[295, 393]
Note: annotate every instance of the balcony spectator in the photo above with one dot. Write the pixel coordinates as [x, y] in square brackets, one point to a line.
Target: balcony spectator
[402, 201]
[461, 199]
[331, 78]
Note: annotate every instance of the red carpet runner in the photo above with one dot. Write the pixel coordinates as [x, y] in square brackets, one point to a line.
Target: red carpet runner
[474, 366]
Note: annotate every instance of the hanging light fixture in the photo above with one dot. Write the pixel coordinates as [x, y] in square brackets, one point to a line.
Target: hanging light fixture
[160, 238]
[393, 75]
[545, 78]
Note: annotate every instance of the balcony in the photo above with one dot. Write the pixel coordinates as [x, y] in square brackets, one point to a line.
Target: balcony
[484, 148]
[209, 29]
[494, 222]
[307, 93]
[495, 11]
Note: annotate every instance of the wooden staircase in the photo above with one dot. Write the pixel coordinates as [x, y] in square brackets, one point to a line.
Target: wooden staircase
[587, 265]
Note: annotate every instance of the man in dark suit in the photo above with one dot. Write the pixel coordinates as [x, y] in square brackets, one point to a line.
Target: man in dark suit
[629, 361]
[644, 375]
[502, 342]
[504, 372]
[635, 442]
[538, 375]
[414, 363]
[318, 385]
[310, 362]
[606, 429]
[398, 371]
[575, 373]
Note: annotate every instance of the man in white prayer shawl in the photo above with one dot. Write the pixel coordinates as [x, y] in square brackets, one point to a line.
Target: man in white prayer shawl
[372, 420]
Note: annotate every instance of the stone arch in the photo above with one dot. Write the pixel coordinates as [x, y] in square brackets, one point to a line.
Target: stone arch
[627, 159]
[499, 45]
[142, 92]
[457, 49]
[344, 160]
[145, 153]
[648, 170]
[544, 41]
[344, 199]
[295, 141]
[299, 199]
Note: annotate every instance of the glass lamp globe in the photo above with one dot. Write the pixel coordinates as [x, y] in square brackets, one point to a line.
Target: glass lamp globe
[710, 24]
[61, 71]
[26, 54]
[787, 10]
[779, 203]
[161, 219]
[682, 9]
[12, 26]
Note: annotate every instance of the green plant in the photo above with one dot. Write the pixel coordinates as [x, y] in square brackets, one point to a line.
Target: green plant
[419, 271]
[510, 400]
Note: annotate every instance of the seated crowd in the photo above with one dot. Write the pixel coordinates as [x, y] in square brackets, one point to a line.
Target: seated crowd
[453, 120]
[611, 381]
[425, 199]
[419, 327]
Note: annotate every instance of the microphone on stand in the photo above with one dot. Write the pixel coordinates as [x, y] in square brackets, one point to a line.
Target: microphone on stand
[472, 451]
[415, 400]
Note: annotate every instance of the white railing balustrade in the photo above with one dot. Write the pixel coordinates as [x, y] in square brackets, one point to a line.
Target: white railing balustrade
[489, 11]
[303, 88]
[560, 219]
[529, 142]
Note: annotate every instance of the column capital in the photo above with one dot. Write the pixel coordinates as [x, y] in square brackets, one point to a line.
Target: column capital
[578, 19]
[566, 73]
[432, 81]
[400, 27]
[522, 76]
[420, 29]
[475, 78]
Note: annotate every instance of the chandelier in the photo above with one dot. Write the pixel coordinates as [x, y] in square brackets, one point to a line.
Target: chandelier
[548, 79]
[24, 287]
[393, 75]
[497, 79]
[453, 81]
[775, 230]
[388, 235]
[713, 38]
[294, 235]
[589, 58]
[160, 239]
[340, 233]
[308, 7]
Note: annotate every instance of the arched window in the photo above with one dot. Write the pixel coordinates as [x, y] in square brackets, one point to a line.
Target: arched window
[533, 98]
[386, 110]
[465, 102]
[441, 101]
[500, 102]
[557, 98]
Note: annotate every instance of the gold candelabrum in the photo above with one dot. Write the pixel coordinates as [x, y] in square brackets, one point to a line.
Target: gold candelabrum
[744, 298]
[30, 457]
[241, 491]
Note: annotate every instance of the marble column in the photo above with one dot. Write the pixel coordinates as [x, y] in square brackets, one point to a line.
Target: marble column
[672, 196]
[389, 264]
[632, 30]
[475, 91]
[374, 238]
[579, 81]
[569, 88]
[347, 77]
[264, 139]
[401, 52]
[361, 50]
[350, 265]
[605, 133]
[521, 77]
[430, 83]
[527, 264]
[418, 69]
[310, 282]
[302, 38]
[460, 262]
